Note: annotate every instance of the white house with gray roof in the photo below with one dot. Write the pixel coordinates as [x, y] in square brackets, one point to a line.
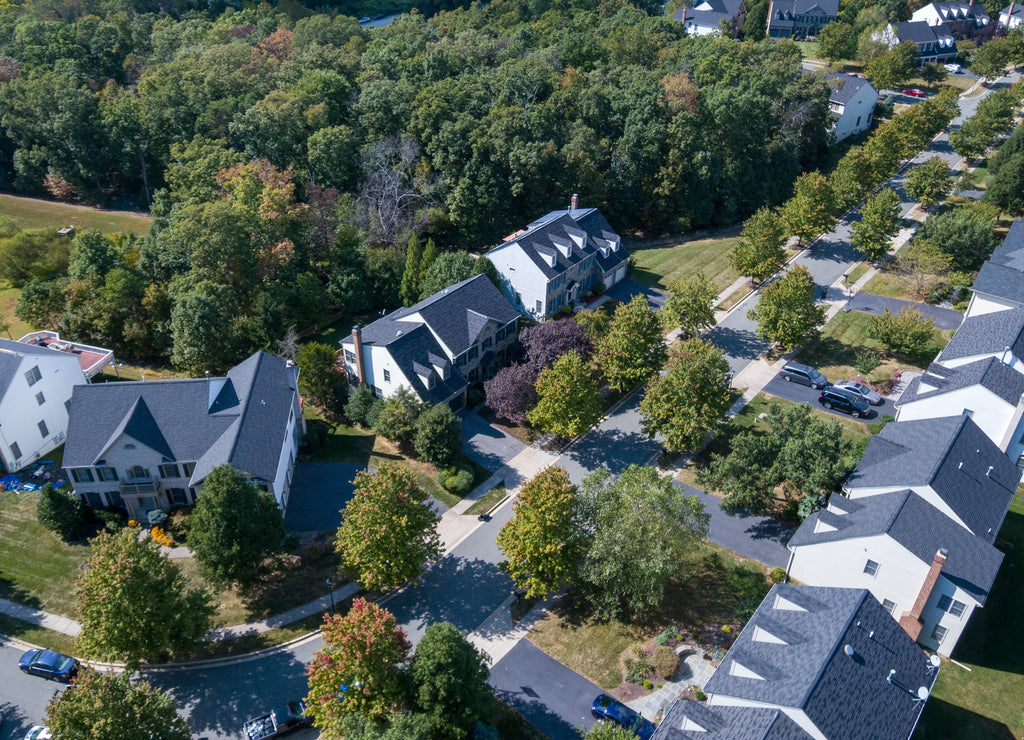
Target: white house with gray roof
[706, 16]
[926, 570]
[965, 20]
[999, 335]
[852, 101]
[1012, 16]
[999, 285]
[933, 43]
[949, 462]
[991, 393]
[831, 659]
[799, 19]
[557, 259]
[146, 445]
[695, 720]
[460, 335]
[36, 383]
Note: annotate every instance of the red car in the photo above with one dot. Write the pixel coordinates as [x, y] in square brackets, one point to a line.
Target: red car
[915, 93]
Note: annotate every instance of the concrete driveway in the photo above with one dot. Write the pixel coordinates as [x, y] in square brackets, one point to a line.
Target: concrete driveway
[802, 394]
[553, 698]
[318, 493]
[944, 318]
[759, 538]
[486, 444]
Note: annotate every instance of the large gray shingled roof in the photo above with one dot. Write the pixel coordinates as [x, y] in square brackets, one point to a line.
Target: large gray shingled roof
[1002, 275]
[953, 457]
[1002, 381]
[726, 723]
[241, 419]
[539, 239]
[987, 334]
[792, 653]
[971, 562]
[843, 87]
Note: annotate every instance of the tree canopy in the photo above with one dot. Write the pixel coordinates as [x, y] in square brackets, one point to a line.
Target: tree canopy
[879, 222]
[786, 313]
[568, 403]
[690, 305]
[134, 604]
[634, 348]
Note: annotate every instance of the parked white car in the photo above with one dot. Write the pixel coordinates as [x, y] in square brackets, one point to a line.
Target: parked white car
[953, 68]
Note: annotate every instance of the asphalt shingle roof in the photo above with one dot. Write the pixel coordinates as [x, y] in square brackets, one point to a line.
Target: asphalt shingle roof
[844, 87]
[1002, 275]
[952, 456]
[987, 334]
[971, 562]
[709, 13]
[244, 425]
[992, 375]
[806, 7]
[726, 723]
[919, 32]
[845, 696]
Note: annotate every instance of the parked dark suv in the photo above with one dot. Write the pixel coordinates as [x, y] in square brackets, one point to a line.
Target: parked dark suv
[844, 400]
[794, 371]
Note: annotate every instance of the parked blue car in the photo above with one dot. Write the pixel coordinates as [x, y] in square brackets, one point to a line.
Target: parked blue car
[49, 664]
[608, 709]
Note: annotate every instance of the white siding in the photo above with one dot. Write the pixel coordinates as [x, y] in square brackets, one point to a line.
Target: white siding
[523, 281]
[857, 113]
[982, 304]
[20, 411]
[286, 461]
[991, 413]
[954, 625]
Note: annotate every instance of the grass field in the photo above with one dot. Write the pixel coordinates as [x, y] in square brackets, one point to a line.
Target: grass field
[36, 213]
[358, 446]
[8, 300]
[719, 587]
[887, 282]
[835, 352]
[659, 262]
[488, 501]
[985, 702]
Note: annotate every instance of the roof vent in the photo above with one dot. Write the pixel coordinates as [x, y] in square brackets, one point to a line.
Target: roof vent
[988, 472]
[850, 652]
[960, 466]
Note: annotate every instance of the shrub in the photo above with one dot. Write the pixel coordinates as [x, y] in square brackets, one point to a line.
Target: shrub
[483, 732]
[665, 635]
[867, 360]
[639, 667]
[177, 524]
[457, 480]
[112, 521]
[698, 693]
[726, 629]
[359, 403]
[939, 292]
[648, 685]
[476, 396]
[665, 661]
[317, 432]
[777, 575]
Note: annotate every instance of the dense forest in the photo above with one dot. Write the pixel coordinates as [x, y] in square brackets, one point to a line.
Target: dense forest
[289, 155]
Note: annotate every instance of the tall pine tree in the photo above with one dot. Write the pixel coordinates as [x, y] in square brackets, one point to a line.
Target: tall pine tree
[430, 254]
[411, 276]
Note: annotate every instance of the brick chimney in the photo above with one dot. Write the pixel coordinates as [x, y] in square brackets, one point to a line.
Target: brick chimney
[911, 621]
[683, 19]
[574, 202]
[357, 341]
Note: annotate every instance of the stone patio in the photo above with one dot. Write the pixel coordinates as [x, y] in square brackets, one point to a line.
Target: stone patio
[694, 670]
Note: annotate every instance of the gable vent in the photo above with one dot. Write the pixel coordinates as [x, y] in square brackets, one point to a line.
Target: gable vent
[739, 670]
[820, 526]
[763, 635]
[785, 604]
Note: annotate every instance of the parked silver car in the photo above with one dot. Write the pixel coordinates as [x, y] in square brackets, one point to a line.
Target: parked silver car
[861, 390]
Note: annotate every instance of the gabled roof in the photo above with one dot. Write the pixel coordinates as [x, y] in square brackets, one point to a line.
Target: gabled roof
[550, 239]
[240, 419]
[971, 562]
[990, 374]
[920, 32]
[987, 334]
[1018, 10]
[844, 87]
[456, 315]
[952, 11]
[952, 456]
[806, 7]
[703, 722]
[1002, 275]
[709, 13]
[836, 670]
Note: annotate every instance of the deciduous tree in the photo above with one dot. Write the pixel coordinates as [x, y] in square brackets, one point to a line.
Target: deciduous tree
[690, 305]
[450, 678]
[134, 604]
[396, 418]
[568, 403]
[786, 313]
[634, 348]
[966, 233]
[686, 403]
[235, 527]
[359, 668]
[545, 539]
[811, 210]
[930, 182]
[837, 41]
[878, 224]
[760, 251]
[545, 343]
[643, 528]
[438, 435]
[905, 332]
[104, 706]
[920, 259]
[512, 392]
[388, 532]
[894, 66]
[321, 380]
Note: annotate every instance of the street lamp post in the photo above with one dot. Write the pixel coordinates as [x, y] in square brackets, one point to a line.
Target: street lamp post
[331, 592]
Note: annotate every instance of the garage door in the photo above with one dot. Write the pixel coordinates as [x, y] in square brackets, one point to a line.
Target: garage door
[619, 274]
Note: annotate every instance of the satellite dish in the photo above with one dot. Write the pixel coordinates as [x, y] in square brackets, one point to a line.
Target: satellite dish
[922, 693]
[935, 661]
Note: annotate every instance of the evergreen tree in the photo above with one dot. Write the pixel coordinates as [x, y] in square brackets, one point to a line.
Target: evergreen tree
[411, 276]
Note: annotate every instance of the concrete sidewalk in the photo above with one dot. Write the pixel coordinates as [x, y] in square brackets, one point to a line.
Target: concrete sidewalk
[40, 618]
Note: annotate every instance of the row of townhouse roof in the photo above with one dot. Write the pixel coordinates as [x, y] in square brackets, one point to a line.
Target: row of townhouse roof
[896, 562]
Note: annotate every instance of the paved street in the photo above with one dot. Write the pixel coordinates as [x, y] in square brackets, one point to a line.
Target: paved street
[944, 318]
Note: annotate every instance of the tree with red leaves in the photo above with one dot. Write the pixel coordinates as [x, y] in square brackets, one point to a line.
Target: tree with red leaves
[512, 392]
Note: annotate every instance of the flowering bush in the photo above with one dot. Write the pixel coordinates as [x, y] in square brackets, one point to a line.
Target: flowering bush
[158, 534]
[132, 523]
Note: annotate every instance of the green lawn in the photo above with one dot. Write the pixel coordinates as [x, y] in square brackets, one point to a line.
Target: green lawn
[488, 501]
[985, 702]
[358, 446]
[719, 588]
[35, 213]
[835, 352]
[658, 262]
[887, 282]
[36, 568]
